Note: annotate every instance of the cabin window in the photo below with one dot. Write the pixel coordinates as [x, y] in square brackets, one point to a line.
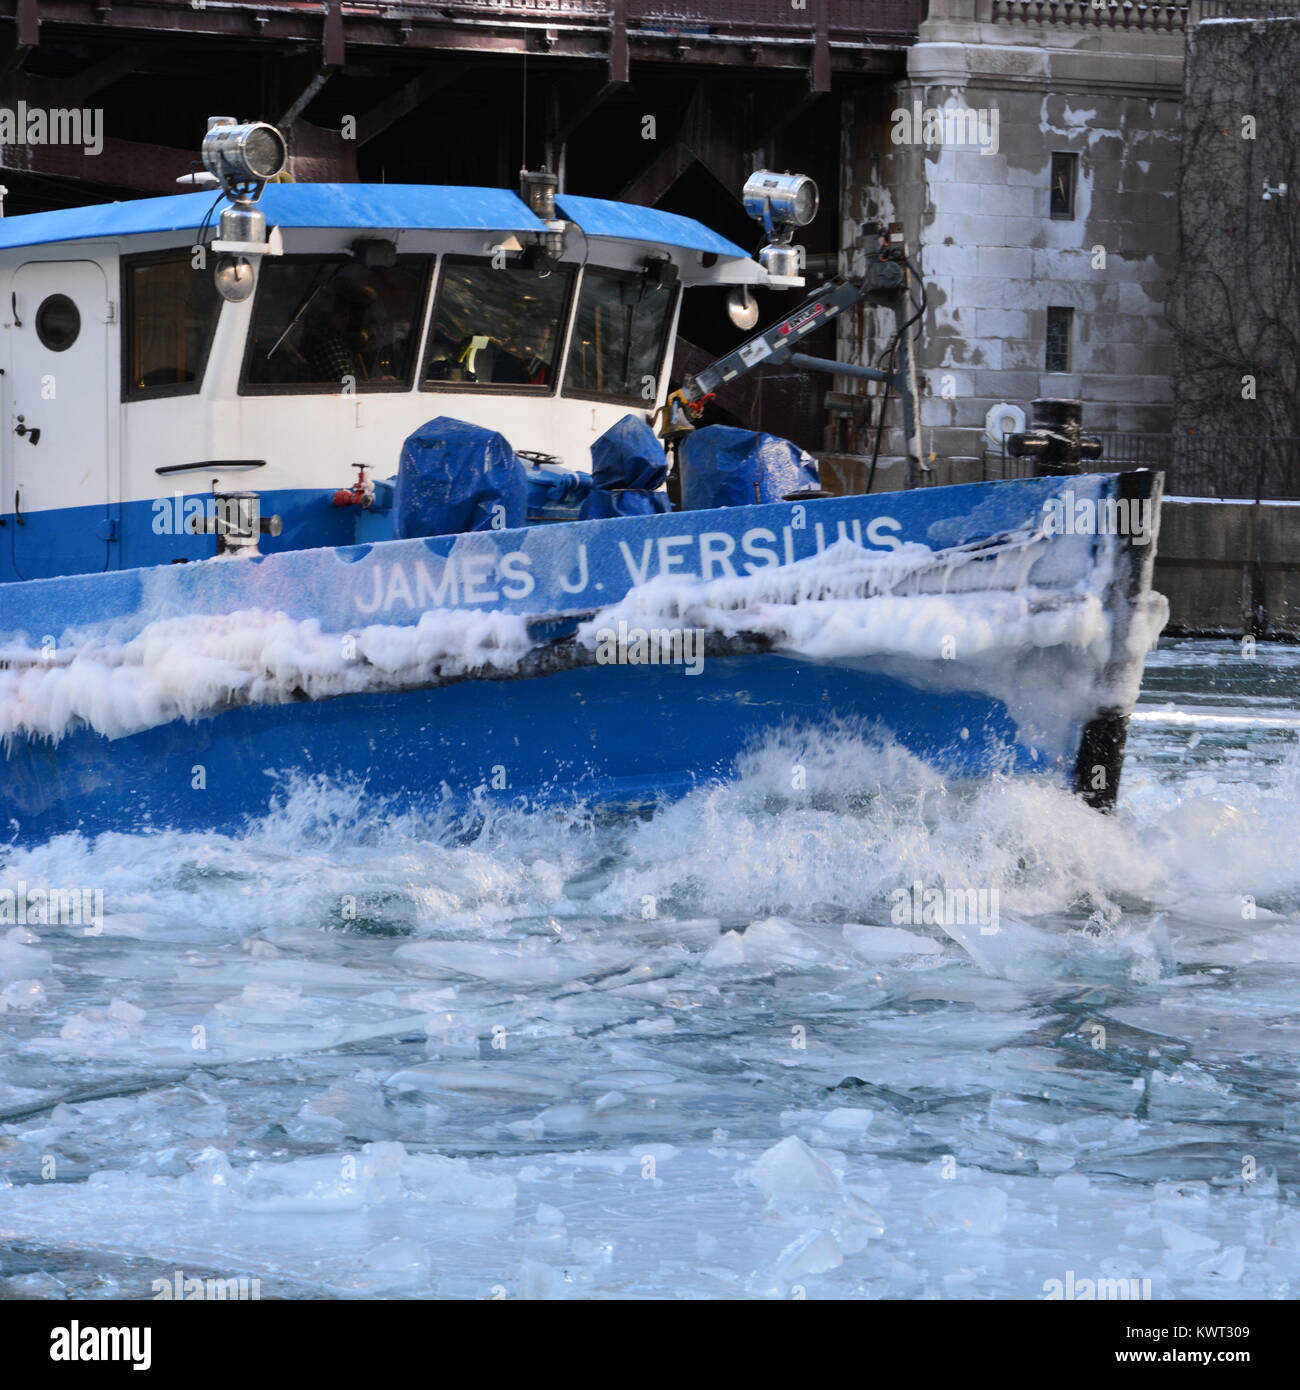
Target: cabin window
[618, 338]
[328, 323]
[496, 326]
[170, 316]
[57, 323]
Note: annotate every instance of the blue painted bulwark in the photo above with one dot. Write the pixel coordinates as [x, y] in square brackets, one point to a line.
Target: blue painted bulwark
[574, 567]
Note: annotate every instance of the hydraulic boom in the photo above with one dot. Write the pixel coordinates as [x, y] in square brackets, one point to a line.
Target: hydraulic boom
[886, 282]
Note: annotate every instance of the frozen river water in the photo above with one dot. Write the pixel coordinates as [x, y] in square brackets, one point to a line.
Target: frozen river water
[695, 1054]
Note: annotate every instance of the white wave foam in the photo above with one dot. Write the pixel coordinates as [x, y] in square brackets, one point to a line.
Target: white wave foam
[641, 1031]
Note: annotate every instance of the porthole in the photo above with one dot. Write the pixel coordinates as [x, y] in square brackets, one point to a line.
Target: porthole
[58, 323]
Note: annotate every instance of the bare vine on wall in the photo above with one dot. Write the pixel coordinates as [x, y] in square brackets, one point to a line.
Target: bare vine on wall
[1235, 305]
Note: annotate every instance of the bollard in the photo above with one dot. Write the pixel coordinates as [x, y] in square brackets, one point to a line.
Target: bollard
[1055, 440]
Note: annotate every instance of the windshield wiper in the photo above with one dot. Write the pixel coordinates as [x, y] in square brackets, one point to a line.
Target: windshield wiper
[302, 309]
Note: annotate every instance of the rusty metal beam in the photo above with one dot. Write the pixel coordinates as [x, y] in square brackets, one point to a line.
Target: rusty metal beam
[588, 108]
[11, 60]
[713, 132]
[821, 62]
[320, 155]
[618, 51]
[659, 176]
[121, 164]
[334, 49]
[304, 97]
[564, 126]
[601, 33]
[77, 90]
[407, 99]
[785, 115]
[29, 23]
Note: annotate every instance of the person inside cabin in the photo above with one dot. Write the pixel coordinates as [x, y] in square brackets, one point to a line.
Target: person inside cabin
[343, 339]
[326, 346]
[476, 357]
[387, 322]
[524, 359]
[443, 361]
[496, 325]
[322, 322]
[539, 354]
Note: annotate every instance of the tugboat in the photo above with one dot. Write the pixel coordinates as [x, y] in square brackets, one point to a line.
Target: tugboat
[362, 482]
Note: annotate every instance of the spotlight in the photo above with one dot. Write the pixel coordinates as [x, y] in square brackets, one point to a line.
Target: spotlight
[781, 202]
[243, 157]
[776, 200]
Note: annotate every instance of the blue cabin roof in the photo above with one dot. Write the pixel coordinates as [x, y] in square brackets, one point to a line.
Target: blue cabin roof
[378, 206]
[599, 217]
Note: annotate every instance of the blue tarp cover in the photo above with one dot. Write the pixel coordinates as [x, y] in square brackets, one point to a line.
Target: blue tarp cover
[627, 466]
[726, 467]
[453, 477]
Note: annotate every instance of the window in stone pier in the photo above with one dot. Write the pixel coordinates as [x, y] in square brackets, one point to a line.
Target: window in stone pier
[1060, 329]
[1065, 177]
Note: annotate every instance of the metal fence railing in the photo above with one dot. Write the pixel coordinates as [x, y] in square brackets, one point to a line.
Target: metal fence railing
[1245, 9]
[1262, 468]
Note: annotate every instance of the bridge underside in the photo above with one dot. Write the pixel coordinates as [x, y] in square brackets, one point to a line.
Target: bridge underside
[422, 91]
[639, 100]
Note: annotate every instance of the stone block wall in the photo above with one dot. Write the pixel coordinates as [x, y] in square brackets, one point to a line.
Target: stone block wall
[980, 226]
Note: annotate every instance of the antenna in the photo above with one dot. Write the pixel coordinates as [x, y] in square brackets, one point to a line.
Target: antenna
[523, 121]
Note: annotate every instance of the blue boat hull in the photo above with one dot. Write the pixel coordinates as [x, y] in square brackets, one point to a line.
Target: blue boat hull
[559, 727]
[412, 749]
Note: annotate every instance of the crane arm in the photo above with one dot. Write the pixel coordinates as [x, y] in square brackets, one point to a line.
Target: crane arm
[884, 283]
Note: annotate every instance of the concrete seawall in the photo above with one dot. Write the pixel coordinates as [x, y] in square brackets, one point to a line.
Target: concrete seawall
[1227, 568]
[1230, 567]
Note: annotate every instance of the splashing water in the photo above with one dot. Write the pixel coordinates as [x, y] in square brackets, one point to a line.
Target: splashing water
[738, 1047]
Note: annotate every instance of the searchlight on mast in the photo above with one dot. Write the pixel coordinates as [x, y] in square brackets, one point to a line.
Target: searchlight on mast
[243, 158]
